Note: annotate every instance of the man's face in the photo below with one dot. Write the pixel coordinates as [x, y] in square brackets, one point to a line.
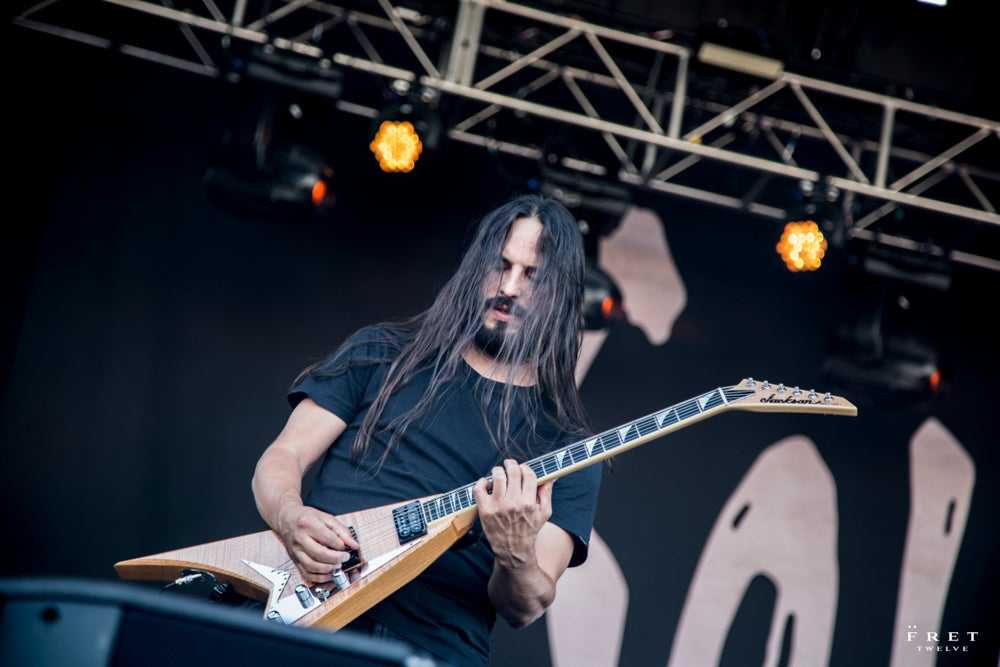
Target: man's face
[508, 291]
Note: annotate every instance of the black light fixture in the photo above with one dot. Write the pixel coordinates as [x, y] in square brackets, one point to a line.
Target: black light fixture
[598, 205]
[314, 76]
[881, 354]
[602, 300]
[260, 169]
[907, 266]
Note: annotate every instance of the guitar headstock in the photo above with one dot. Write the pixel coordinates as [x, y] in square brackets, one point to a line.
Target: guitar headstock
[762, 396]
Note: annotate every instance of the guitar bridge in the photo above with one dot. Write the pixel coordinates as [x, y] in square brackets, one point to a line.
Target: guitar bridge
[409, 520]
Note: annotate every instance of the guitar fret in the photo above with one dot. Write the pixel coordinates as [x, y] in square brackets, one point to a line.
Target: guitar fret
[646, 425]
[667, 418]
[710, 400]
[688, 409]
[448, 503]
[561, 458]
[609, 440]
[550, 464]
[732, 394]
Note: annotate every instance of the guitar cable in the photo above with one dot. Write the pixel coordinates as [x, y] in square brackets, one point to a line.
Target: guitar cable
[220, 592]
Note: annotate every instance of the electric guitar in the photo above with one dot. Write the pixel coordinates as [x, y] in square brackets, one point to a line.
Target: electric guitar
[398, 541]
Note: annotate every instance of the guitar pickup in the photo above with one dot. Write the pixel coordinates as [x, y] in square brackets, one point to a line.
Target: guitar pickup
[354, 560]
[409, 520]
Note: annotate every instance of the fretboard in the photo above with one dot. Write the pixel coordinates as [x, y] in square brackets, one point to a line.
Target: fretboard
[598, 447]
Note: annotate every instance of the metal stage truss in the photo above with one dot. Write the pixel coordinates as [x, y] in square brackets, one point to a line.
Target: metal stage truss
[605, 108]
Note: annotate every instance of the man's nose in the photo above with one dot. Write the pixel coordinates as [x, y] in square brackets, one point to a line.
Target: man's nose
[512, 283]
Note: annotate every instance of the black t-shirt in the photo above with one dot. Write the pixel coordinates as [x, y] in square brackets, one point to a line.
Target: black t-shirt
[446, 609]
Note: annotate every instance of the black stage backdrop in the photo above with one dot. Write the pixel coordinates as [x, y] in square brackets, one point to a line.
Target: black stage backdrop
[149, 337]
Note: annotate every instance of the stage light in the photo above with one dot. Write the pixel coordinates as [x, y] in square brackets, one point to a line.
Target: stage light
[903, 367]
[597, 204]
[602, 300]
[405, 128]
[319, 192]
[315, 76]
[396, 146]
[295, 181]
[259, 170]
[879, 350]
[802, 246]
[904, 266]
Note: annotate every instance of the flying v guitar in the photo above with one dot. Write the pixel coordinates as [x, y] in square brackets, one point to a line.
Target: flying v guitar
[399, 541]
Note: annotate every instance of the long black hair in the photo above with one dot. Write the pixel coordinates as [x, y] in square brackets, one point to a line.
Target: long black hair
[547, 342]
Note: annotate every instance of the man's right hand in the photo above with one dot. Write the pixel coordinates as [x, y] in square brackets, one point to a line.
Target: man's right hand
[316, 541]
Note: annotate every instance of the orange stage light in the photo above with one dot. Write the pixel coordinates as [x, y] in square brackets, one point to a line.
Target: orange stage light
[802, 246]
[397, 146]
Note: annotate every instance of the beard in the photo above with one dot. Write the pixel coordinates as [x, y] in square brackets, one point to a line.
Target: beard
[491, 341]
[496, 341]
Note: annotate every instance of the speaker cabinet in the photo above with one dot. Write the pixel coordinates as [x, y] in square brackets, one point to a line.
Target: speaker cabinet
[48, 622]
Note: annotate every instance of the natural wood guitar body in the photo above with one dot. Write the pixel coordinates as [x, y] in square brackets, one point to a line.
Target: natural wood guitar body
[375, 532]
[400, 540]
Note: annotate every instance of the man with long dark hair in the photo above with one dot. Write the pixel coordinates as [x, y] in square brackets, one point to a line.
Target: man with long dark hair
[480, 380]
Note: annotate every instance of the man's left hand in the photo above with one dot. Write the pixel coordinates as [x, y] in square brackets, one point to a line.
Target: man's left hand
[514, 513]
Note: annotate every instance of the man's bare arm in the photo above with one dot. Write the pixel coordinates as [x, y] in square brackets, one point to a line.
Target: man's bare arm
[315, 540]
[530, 553]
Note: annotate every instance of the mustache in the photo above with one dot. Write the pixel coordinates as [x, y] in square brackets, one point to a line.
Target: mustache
[507, 305]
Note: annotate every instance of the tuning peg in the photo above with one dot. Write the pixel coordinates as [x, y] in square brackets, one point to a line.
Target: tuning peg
[781, 388]
[812, 395]
[765, 385]
[796, 391]
[828, 398]
[750, 382]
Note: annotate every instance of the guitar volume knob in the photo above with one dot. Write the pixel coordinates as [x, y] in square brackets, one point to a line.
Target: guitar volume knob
[340, 580]
[305, 597]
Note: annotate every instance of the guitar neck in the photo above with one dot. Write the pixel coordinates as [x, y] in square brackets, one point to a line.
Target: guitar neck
[747, 395]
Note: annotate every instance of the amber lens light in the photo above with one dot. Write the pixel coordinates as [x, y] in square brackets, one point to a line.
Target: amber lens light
[396, 146]
[802, 246]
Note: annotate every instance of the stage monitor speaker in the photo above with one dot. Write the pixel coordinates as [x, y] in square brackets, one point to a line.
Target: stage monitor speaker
[45, 622]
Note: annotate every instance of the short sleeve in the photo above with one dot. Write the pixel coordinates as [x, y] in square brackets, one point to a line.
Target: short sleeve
[340, 383]
[574, 504]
